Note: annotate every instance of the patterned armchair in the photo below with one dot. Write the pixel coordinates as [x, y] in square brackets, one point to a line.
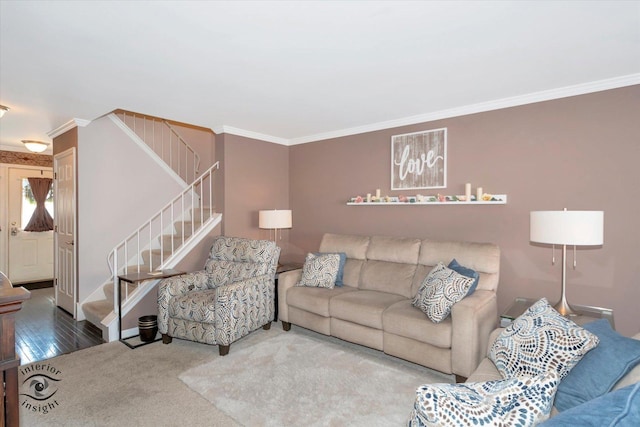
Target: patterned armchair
[231, 297]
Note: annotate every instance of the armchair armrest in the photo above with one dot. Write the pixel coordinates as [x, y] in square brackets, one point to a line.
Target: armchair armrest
[177, 285]
[285, 281]
[243, 306]
[472, 320]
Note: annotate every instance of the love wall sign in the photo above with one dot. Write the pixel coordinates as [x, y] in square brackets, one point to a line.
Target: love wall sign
[419, 160]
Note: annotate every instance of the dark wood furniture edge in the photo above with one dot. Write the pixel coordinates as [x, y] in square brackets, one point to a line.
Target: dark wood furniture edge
[11, 300]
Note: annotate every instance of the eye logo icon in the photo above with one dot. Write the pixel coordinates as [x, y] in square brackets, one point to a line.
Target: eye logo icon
[39, 384]
[40, 387]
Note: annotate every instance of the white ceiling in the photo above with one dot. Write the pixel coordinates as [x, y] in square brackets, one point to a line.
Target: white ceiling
[293, 72]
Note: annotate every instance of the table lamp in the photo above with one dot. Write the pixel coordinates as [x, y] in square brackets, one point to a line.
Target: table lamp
[573, 228]
[275, 220]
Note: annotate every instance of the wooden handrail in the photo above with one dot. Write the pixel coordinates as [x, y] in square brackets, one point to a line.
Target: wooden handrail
[10, 303]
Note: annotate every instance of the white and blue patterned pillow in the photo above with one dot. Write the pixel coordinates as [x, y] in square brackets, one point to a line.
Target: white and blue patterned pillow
[540, 340]
[521, 401]
[442, 288]
[320, 271]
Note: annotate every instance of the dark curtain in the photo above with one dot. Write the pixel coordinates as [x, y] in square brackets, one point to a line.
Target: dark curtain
[40, 220]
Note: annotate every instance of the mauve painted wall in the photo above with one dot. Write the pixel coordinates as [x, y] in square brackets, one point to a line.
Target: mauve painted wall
[256, 177]
[580, 152]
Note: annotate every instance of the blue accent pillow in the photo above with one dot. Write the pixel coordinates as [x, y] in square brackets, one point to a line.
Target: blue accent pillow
[465, 271]
[620, 408]
[600, 369]
[343, 260]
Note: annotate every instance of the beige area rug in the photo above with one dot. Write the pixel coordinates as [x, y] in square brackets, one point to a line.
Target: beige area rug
[299, 378]
[112, 385]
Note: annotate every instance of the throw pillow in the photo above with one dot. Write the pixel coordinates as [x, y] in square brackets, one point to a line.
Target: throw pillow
[320, 271]
[540, 340]
[520, 401]
[600, 369]
[343, 260]
[466, 271]
[620, 408]
[438, 292]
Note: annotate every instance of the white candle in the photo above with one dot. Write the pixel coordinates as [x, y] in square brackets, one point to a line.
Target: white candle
[479, 195]
[368, 197]
[378, 193]
[467, 192]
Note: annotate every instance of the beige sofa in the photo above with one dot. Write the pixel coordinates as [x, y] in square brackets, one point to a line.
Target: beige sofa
[373, 308]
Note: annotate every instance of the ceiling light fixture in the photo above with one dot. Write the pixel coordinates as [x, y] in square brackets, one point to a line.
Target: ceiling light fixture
[35, 146]
[3, 110]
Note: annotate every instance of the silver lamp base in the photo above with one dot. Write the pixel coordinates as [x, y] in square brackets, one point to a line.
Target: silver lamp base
[564, 308]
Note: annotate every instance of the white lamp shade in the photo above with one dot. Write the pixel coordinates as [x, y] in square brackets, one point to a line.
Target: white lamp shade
[274, 219]
[580, 228]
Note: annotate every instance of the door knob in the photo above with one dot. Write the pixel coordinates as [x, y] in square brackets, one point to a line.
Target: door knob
[14, 231]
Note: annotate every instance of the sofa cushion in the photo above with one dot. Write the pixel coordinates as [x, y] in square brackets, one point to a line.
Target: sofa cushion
[540, 340]
[391, 265]
[519, 401]
[362, 307]
[600, 369]
[320, 271]
[355, 247]
[314, 300]
[441, 289]
[619, 408]
[195, 306]
[389, 277]
[481, 257]
[403, 319]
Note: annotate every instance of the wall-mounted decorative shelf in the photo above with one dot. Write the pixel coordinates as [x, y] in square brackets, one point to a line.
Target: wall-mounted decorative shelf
[495, 199]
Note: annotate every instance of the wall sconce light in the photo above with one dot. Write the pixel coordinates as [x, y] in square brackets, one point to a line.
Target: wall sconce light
[35, 146]
[3, 110]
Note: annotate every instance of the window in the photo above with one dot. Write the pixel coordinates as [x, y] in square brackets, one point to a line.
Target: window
[29, 203]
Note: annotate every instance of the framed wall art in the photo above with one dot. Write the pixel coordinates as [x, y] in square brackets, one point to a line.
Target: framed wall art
[419, 160]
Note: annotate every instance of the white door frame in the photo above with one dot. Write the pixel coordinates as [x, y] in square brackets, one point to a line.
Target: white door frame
[56, 240]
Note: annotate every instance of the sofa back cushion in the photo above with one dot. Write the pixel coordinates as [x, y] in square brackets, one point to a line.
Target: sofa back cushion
[356, 249]
[481, 257]
[391, 265]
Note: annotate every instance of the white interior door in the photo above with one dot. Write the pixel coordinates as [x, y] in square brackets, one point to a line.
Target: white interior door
[65, 226]
[30, 253]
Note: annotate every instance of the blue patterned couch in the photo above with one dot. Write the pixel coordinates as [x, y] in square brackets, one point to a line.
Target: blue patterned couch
[231, 297]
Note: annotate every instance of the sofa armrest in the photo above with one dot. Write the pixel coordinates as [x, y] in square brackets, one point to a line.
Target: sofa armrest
[286, 281]
[472, 321]
[243, 306]
[177, 285]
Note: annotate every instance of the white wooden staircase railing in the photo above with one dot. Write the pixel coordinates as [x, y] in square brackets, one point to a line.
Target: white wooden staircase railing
[165, 141]
[160, 243]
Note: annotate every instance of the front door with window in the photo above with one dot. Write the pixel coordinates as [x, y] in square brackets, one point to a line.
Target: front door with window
[30, 253]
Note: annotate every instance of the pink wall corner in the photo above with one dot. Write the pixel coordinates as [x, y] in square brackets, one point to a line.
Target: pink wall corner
[579, 152]
[256, 177]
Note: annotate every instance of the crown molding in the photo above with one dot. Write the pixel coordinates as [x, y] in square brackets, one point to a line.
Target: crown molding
[68, 126]
[546, 95]
[250, 134]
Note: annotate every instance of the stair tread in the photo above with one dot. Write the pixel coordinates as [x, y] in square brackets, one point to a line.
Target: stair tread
[95, 311]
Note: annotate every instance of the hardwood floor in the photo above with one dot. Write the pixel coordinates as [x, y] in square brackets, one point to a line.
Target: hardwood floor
[44, 331]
